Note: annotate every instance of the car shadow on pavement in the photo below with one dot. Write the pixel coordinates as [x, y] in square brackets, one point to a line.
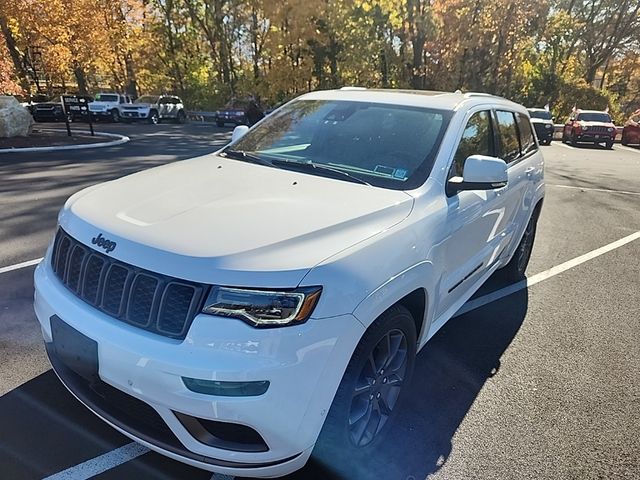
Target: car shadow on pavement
[449, 374]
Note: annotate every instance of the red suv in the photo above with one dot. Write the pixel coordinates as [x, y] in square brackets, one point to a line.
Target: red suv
[631, 130]
[589, 126]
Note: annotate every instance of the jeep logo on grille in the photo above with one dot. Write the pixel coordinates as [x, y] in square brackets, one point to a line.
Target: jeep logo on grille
[102, 242]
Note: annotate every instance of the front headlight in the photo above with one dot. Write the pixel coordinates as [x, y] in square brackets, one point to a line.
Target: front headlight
[609, 129]
[547, 126]
[263, 308]
[585, 128]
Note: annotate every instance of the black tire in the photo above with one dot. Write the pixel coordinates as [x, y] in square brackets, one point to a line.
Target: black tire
[220, 124]
[367, 393]
[115, 115]
[609, 145]
[514, 271]
[624, 141]
[574, 141]
[153, 118]
[181, 117]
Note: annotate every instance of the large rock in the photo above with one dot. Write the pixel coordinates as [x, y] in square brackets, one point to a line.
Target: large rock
[15, 120]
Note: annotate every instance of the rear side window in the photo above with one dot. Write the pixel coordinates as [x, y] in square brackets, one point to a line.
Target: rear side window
[477, 139]
[527, 142]
[508, 134]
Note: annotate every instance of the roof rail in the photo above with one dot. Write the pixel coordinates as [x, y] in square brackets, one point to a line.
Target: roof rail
[353, 88]
[477, 94]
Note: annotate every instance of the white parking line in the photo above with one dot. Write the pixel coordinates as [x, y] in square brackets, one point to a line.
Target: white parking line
[100, 464]
[589, 189]
[629, 149]
[18, 266]
[560, 144]
[539, 277]
[132, 450]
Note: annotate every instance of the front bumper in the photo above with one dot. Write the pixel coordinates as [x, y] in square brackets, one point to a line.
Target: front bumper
[595, 137]
[134, 115]
[303, 364]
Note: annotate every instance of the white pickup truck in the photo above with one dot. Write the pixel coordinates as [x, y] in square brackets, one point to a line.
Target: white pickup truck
[107, 106]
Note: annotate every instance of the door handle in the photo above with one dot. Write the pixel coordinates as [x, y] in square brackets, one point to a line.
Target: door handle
[529, 170]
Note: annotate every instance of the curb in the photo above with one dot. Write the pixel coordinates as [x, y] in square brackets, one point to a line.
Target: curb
[120, 140]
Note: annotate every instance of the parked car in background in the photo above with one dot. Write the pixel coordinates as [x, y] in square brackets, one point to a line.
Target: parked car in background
[154, 109]
[589, 126]
[240, 112]
[631, 130]
[50, 111]
[106, 106]
[542, 122]
[233, 113]
[239, 309]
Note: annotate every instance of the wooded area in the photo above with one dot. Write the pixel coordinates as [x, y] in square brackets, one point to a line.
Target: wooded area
[562, 52]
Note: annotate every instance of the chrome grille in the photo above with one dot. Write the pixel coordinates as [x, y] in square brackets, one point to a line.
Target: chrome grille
[151, 301]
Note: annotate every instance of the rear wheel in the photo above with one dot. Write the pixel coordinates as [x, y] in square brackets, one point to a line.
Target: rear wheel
[624, 140]
[515, 270]
[367, 397]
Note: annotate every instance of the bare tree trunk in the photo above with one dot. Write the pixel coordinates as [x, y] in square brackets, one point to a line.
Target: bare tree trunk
[81, 78]
[18, 64]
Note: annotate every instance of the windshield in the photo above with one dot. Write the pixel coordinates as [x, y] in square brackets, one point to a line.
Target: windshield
[147, 99]
[384, 145]
[106, 98]
[594, 117]
[542, 114]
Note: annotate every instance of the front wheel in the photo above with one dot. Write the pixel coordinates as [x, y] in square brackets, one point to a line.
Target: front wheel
[115, 116]
[367, 397]
[153, 119]
[181, 117]
[609, 145]
[624, 140]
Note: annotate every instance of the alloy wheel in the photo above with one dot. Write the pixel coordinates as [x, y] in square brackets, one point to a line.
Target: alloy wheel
[377, 388]
[526, 246]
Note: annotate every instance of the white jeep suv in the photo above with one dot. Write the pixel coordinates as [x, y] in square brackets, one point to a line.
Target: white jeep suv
[107, 106]
[237, 310]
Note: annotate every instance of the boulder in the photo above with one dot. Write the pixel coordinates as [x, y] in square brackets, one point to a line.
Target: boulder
[15, 120]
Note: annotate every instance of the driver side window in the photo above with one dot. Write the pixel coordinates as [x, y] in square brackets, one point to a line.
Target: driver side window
[477, 139]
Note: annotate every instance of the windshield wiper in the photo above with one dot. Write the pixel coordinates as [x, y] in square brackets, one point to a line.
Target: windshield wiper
[246, 157]
[319, 166]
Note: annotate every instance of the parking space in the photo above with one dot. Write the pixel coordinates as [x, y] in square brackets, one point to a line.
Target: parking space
[541, 383]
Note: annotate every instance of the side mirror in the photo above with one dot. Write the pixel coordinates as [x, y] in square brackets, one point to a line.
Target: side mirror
[480, 173]
[239, 132]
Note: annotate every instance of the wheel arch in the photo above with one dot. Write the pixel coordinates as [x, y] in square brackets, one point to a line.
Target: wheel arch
[406, 289]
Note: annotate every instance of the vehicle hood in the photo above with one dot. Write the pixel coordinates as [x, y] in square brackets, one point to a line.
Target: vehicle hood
[596, 124]
[217, 220]
[100, 104]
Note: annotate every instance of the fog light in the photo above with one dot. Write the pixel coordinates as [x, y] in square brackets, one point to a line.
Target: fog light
[226, 389]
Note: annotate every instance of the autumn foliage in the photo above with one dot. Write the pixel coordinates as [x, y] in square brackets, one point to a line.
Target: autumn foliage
[209, 50]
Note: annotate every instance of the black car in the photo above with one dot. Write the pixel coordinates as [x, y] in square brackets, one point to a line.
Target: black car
[239, 112]
[50, 111]
[542, 121]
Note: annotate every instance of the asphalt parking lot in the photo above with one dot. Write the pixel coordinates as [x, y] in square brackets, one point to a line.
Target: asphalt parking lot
[540, 381]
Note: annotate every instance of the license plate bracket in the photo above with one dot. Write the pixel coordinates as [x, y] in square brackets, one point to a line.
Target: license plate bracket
[77, 351]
